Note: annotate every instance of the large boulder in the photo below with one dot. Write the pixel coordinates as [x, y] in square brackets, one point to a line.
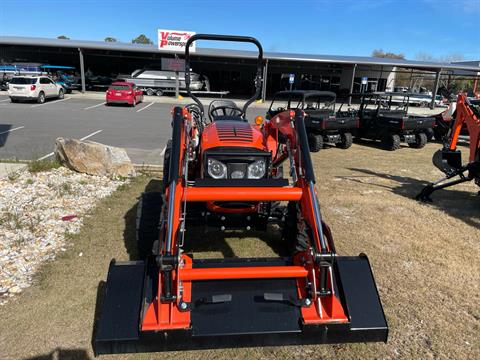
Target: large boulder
[93, 158]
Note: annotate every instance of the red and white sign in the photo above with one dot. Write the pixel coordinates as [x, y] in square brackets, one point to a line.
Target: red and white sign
[174, 40]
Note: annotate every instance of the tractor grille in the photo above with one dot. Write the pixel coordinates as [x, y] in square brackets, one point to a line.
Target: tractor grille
[234, 132]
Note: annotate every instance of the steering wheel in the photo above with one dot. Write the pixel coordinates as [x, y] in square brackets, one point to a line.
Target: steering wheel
[226, 110]
[281, 109]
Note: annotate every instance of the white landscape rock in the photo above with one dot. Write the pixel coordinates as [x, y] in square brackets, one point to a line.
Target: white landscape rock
[93, 158]
[32, 230]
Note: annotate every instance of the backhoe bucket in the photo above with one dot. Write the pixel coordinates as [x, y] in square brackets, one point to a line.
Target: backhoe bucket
[447, 160]
[237, 312]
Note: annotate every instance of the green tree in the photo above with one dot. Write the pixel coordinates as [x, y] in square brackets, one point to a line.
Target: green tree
[142, 39]
[63, 37]
[382, 54]
[110, 39]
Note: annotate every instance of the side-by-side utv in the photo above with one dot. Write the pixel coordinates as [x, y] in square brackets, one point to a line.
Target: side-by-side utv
[323, 122]
[384, 117]
[226, 172]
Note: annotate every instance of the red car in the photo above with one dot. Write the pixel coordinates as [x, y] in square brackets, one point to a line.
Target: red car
[121, 92]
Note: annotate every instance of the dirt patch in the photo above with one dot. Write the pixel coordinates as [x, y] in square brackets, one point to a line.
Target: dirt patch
[424, 257]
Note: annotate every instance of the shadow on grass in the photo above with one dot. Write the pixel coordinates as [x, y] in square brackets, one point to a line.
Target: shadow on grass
[196, 240]
[101, 288]
[130, 218]
[463, 205]
[62, 354]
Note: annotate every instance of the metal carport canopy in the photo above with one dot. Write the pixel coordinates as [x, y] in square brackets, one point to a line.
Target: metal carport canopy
[243, 54]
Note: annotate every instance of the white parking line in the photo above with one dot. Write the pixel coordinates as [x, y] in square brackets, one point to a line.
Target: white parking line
[90, 135]
[4, 100]
[94, 106]
[17, 128]
[51, 102]
[84, 138]
[145, 107]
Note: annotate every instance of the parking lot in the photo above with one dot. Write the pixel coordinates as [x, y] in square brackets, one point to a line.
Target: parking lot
[28, 130]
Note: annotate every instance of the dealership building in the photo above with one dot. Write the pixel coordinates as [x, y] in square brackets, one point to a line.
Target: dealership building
[232, 70]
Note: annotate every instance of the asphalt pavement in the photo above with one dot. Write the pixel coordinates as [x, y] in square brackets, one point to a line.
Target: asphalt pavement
[28, 130]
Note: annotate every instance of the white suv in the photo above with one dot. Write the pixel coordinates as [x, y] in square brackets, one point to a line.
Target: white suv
[36, 88]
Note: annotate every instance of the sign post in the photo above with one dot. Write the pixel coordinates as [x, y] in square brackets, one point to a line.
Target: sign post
[364, 83]
[177, 65]
[291, 80]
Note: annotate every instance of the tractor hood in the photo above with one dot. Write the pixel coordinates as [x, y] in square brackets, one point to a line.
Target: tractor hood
[232, 133]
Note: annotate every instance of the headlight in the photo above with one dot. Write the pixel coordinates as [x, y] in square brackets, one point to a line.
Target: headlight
[256, 170]
[216, 169]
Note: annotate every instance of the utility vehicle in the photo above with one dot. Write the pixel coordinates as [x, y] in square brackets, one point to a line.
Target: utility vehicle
[380, 120]
[323, 122]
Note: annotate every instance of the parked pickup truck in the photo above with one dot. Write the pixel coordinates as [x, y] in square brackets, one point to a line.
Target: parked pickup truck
[380, 121]
[323, 122]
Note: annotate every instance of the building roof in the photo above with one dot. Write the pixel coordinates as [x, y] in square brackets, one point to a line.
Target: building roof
[228, 53]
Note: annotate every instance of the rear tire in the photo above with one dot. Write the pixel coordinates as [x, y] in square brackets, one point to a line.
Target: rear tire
[61, 94]
[41, 97]
[13, 100]
[420, 141]
[149, 208]
[149, 92]
[391, 142]
[159, 92]
[315, 142]
[346, 140]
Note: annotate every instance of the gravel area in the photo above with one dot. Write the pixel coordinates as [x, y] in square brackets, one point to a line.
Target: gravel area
[37, 212]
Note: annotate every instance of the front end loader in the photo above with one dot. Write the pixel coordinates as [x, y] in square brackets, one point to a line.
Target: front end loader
[227, 173]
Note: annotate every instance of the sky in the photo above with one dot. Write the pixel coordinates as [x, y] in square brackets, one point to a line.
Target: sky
[438, 29]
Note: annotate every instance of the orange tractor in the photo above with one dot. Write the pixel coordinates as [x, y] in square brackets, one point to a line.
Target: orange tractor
[449, 159]
[223, 171]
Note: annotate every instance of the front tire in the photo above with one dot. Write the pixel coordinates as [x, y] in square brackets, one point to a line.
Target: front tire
[315, 142]
[41, 97]
[61, 94]
[391, 142]
[13, 100]
[149, 208]
[346, 140]
[420, 141]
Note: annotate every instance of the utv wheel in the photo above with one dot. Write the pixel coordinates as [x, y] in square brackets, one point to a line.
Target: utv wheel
[166, 164]
[391, 142]
[149, 208]
[430, 134]
[346, 141]
[315, 142]
[420, 141]
[41, 98]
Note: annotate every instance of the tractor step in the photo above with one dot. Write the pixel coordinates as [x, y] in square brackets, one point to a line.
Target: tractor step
[241, 317]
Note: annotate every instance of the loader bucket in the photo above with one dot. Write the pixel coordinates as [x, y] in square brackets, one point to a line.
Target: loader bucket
[236, 312]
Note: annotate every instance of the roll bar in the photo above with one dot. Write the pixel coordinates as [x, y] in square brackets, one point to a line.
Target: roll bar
[233, 38]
